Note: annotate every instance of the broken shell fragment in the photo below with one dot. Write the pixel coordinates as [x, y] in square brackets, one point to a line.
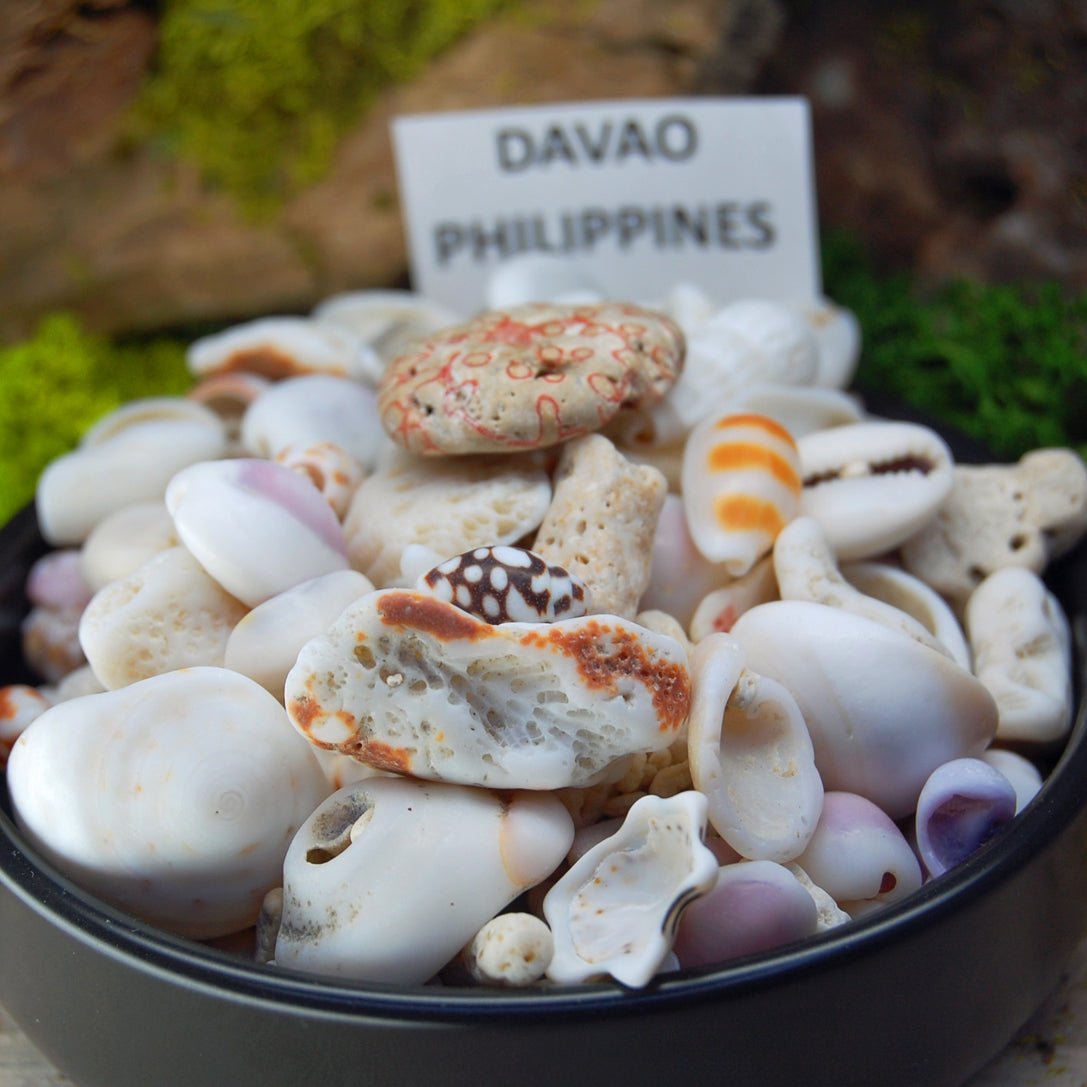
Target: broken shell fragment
[859, 856]
[138, 450]
[278, 347]
[511, 950]
[174, 798]
[963, 804]
[1022, 649]
[506, 585]
[883, 711]
[448, 506]
[750, 754]
[168, 614]
[256, 527]
[741, 486]
[617, 909]
[409, 683]
[528, 377]
[264, 644]
[754, 906]
[873, 485]
[389, 878]
[329, 467]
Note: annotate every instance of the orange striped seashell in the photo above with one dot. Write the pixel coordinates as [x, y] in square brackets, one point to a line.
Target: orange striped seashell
[741, 485]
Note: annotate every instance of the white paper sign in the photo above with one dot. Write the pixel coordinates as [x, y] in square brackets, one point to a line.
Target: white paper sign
[641, 194]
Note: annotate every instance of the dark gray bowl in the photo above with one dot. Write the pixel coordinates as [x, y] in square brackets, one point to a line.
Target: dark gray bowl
[924, 993]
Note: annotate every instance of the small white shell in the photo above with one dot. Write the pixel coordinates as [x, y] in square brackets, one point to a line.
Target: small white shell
[859, 856]
[138, 455]
[873, 485]
[1025, 777]
[125, 540]
[303, 411]
[719, 610]
[428, 864]
[860, 687]
[264, 644]
[278, 347]
[512, 950]
[406, 682]
[174, 798]
[751, 755]
[741, 486]
[165, 615]
[1023, 654]
[616, 910]
[256, 527]
[838, 339]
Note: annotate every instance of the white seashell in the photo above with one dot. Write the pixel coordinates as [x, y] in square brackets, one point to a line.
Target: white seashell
[406, 682]
[679, 576]
[138, 414]
[56, 581]
[431, 863]
[50, 642]
[511, 950]
[910, 594]
[279, 347]
[688, 305]
[507, 585]
[829, 913]
[267, 926]
[165, 615]
[873, 485]
[174, 799]
[806, 569]
[449, 505]
[125, 540]
[255, 526]
[719, 610]
[537, 277]
[387, 321]
[750, 754]
[838, 340]
[754, 906]
[329, 467]
[741, 486]
[1000, 515]
[1022, 648]
[859, 856]
[1025, 777]
[616, 910]
[138, 456]
[800, 409]
[76, 684]
[229, 396]
[20, 704]
[964, 803]
[303, 411]
[883, 711]
[264, 644]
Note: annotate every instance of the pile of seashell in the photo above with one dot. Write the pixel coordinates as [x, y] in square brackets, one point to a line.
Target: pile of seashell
[573, 639]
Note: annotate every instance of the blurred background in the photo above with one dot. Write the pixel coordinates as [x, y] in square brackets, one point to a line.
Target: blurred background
[168, 168]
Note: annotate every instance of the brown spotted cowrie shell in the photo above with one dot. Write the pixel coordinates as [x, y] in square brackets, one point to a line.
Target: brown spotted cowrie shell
[528, 377]
[507, 585]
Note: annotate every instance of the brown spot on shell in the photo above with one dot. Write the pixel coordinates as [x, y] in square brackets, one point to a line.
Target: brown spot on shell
[425, 613]
[8, 706]
[601, 661]
[264, 360]
[379, 755]
[304, 711]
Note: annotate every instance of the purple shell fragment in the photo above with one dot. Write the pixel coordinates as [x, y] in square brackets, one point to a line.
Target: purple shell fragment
[963, 804]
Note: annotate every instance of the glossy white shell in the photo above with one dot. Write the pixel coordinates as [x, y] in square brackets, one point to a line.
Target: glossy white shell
[873, 485]
[883, 711]
[125, 540]
[406, 682]
[751, 755]
[389, 878]
[616, 910]
[174, 798]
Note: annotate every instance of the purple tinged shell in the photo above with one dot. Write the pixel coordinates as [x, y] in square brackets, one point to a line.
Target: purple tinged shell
[507, 585]
[963, 804]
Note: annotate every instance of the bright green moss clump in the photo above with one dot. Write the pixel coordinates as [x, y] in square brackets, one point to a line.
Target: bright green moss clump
[53, 386]
[1006, 365]
[258, 91]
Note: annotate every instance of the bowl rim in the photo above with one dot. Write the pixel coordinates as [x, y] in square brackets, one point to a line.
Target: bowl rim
[49, 893]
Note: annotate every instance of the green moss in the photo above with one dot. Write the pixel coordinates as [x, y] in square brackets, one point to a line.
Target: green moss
[60, 381]
[258, 92]
[1005, 364]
